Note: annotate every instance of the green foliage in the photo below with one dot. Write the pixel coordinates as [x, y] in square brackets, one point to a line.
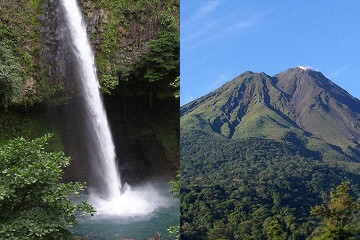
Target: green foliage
[121, 18]
[219, 232]
[251, 189]
[108, 82]
[11, 81]
[157, 60]
[162, 62]
[20, 83]
[33, 203]
[106, 56]
[273, 229]
[36, 4]
[175, 85]
[176, 186]
[338, 216]
[174, 232]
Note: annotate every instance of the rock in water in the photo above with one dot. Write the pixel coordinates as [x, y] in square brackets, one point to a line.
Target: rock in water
[157, 236]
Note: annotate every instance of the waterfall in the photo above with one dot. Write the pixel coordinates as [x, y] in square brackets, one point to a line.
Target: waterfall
[111, 200]
[94, 108]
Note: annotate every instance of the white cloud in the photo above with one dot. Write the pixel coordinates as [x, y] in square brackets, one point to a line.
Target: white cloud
[198, 17]
[215, 27]
[305, 68]
[208, 7]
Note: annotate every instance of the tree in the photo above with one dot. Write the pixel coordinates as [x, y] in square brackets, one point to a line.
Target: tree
[33, 203]
[274, 230]
[219, 232]
[338, 216]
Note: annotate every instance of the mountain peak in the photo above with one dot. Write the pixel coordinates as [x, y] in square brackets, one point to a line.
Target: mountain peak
[299, 98]
[308, 68]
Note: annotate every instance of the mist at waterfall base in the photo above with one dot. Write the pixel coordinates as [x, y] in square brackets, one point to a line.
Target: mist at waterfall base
[127, 220]
[133, 201]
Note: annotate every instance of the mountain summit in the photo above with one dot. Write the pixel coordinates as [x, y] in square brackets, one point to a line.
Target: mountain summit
[299, 102]
[308, 68]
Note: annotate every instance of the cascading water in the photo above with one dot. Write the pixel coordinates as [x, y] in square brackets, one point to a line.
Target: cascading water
[91, 93]
[115, 201]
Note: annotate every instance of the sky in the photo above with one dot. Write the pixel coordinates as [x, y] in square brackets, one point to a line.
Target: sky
[220, 39]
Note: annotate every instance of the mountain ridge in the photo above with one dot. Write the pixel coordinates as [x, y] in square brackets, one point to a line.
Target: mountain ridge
[299, 100]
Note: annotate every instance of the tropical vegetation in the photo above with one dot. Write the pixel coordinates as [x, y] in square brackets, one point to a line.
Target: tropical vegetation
[34, 203]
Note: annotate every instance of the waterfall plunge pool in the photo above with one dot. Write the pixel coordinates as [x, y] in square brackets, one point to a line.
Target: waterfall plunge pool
[161, 211]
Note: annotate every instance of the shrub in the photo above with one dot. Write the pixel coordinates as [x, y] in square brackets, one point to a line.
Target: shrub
[33, 203]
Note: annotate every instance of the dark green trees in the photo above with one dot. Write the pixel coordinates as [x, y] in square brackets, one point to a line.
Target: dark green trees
[338, 216]
[33, 203]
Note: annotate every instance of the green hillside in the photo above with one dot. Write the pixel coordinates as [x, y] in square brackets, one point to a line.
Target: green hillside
[251, 161]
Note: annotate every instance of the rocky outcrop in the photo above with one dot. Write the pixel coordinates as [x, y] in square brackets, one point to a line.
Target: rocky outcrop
[132, 37]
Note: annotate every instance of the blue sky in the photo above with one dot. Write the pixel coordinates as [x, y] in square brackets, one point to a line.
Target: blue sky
[221, 39]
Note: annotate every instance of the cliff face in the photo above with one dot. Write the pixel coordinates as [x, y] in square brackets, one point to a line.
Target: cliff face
[121, 33]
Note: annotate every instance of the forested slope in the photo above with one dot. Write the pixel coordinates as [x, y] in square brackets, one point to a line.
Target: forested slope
[252, 168]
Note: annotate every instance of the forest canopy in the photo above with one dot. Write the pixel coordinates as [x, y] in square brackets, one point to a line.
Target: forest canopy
[253, 189]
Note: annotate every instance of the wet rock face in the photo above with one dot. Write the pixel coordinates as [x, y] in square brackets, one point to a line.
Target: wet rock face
[141, 154]
[93, 18]
[52, 39]
[60, 72]
[57, 60]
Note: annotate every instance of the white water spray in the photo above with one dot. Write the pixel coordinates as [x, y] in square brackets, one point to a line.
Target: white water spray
[129, 202]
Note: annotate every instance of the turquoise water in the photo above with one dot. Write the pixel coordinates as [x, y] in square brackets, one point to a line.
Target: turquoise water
[107, 227]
